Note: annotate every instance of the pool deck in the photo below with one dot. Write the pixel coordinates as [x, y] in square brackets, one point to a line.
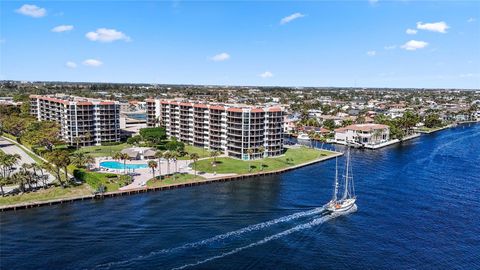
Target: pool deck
[142, 175]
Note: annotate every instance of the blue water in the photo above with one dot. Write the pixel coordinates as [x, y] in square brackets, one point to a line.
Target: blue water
[418, 208]
[138, 116]
[119, 165]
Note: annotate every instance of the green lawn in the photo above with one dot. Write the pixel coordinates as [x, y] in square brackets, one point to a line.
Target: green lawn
[179, 178]
[51, 193]
[429, 130]
[190, 149]
[94, 179]
[230, 165]
[103, 151]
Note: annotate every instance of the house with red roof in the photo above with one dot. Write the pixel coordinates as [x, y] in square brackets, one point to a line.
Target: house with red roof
[363, 134]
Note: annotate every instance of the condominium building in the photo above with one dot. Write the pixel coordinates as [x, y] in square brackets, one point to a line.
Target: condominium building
[230, 129]
[83, 121]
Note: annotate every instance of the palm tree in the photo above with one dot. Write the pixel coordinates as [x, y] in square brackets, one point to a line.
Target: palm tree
[311, 135]
[77, 140]
[194, 157]
[250, 153]
[20, 178]
[214, 154]
[152, 165]
[28, 176]
[159, 155]
[89, 160]
[175, 156]
[81, 160]
[7, 161]
[117, 156]
[48, 167]
[3, 182]
[61, 159]
[167, 155]
[261, 150]
[124, 157]
[37, 168]
[87, 137]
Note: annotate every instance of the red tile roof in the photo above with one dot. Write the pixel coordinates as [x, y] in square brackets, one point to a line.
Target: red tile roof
[217, 108]
[275, 109]
[235, 110]
[84, 103]
[256, 110]
[362, 127]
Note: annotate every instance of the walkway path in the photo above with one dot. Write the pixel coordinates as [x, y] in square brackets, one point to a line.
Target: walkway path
[143, 175]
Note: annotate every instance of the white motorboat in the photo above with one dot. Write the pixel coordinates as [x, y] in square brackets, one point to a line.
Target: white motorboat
[348, 198]
[303, 137]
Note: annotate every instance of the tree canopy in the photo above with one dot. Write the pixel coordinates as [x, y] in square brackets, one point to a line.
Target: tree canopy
[153, 135]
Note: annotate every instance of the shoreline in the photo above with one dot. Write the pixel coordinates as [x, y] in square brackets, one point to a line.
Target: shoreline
[384, 144]
[435, 129]
[133, 191]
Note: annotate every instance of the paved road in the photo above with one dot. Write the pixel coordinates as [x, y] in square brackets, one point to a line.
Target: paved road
[10, 148]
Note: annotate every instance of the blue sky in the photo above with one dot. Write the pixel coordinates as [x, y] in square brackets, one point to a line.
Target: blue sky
[312, 43]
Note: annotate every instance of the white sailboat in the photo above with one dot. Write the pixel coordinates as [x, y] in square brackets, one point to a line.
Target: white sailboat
[348, 198]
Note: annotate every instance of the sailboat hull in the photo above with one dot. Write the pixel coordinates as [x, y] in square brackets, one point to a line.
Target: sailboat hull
[340, 206]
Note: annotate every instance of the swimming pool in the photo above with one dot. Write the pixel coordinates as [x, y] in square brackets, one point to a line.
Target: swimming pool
[119, 165]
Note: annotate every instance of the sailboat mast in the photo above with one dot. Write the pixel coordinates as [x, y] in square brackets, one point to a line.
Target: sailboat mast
[335, 190]
[345, 193]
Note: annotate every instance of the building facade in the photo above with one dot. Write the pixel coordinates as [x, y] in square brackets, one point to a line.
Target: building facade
[82, 121]
[230, 129]
[364, 134]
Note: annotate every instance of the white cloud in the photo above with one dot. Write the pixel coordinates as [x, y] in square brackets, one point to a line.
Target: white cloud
[71, 64]
[220, 57]
[32, 11]
[470, 20]
[107, 35]
[372, 53]
[469, 75]
[92, 63]
[440, 27]
[62, 28]
[292, 17]
[413, 45]
[390, 47]
[373, 2]
[411, 31]
[266, 74]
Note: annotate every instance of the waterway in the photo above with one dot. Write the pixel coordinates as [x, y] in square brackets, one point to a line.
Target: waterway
[418, 208]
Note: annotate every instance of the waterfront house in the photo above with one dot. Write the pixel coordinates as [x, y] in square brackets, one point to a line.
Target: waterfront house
[317, 130]
[364, 134]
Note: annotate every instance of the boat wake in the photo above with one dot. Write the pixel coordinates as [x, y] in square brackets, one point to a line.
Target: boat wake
[236, 233]
[267, 239]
